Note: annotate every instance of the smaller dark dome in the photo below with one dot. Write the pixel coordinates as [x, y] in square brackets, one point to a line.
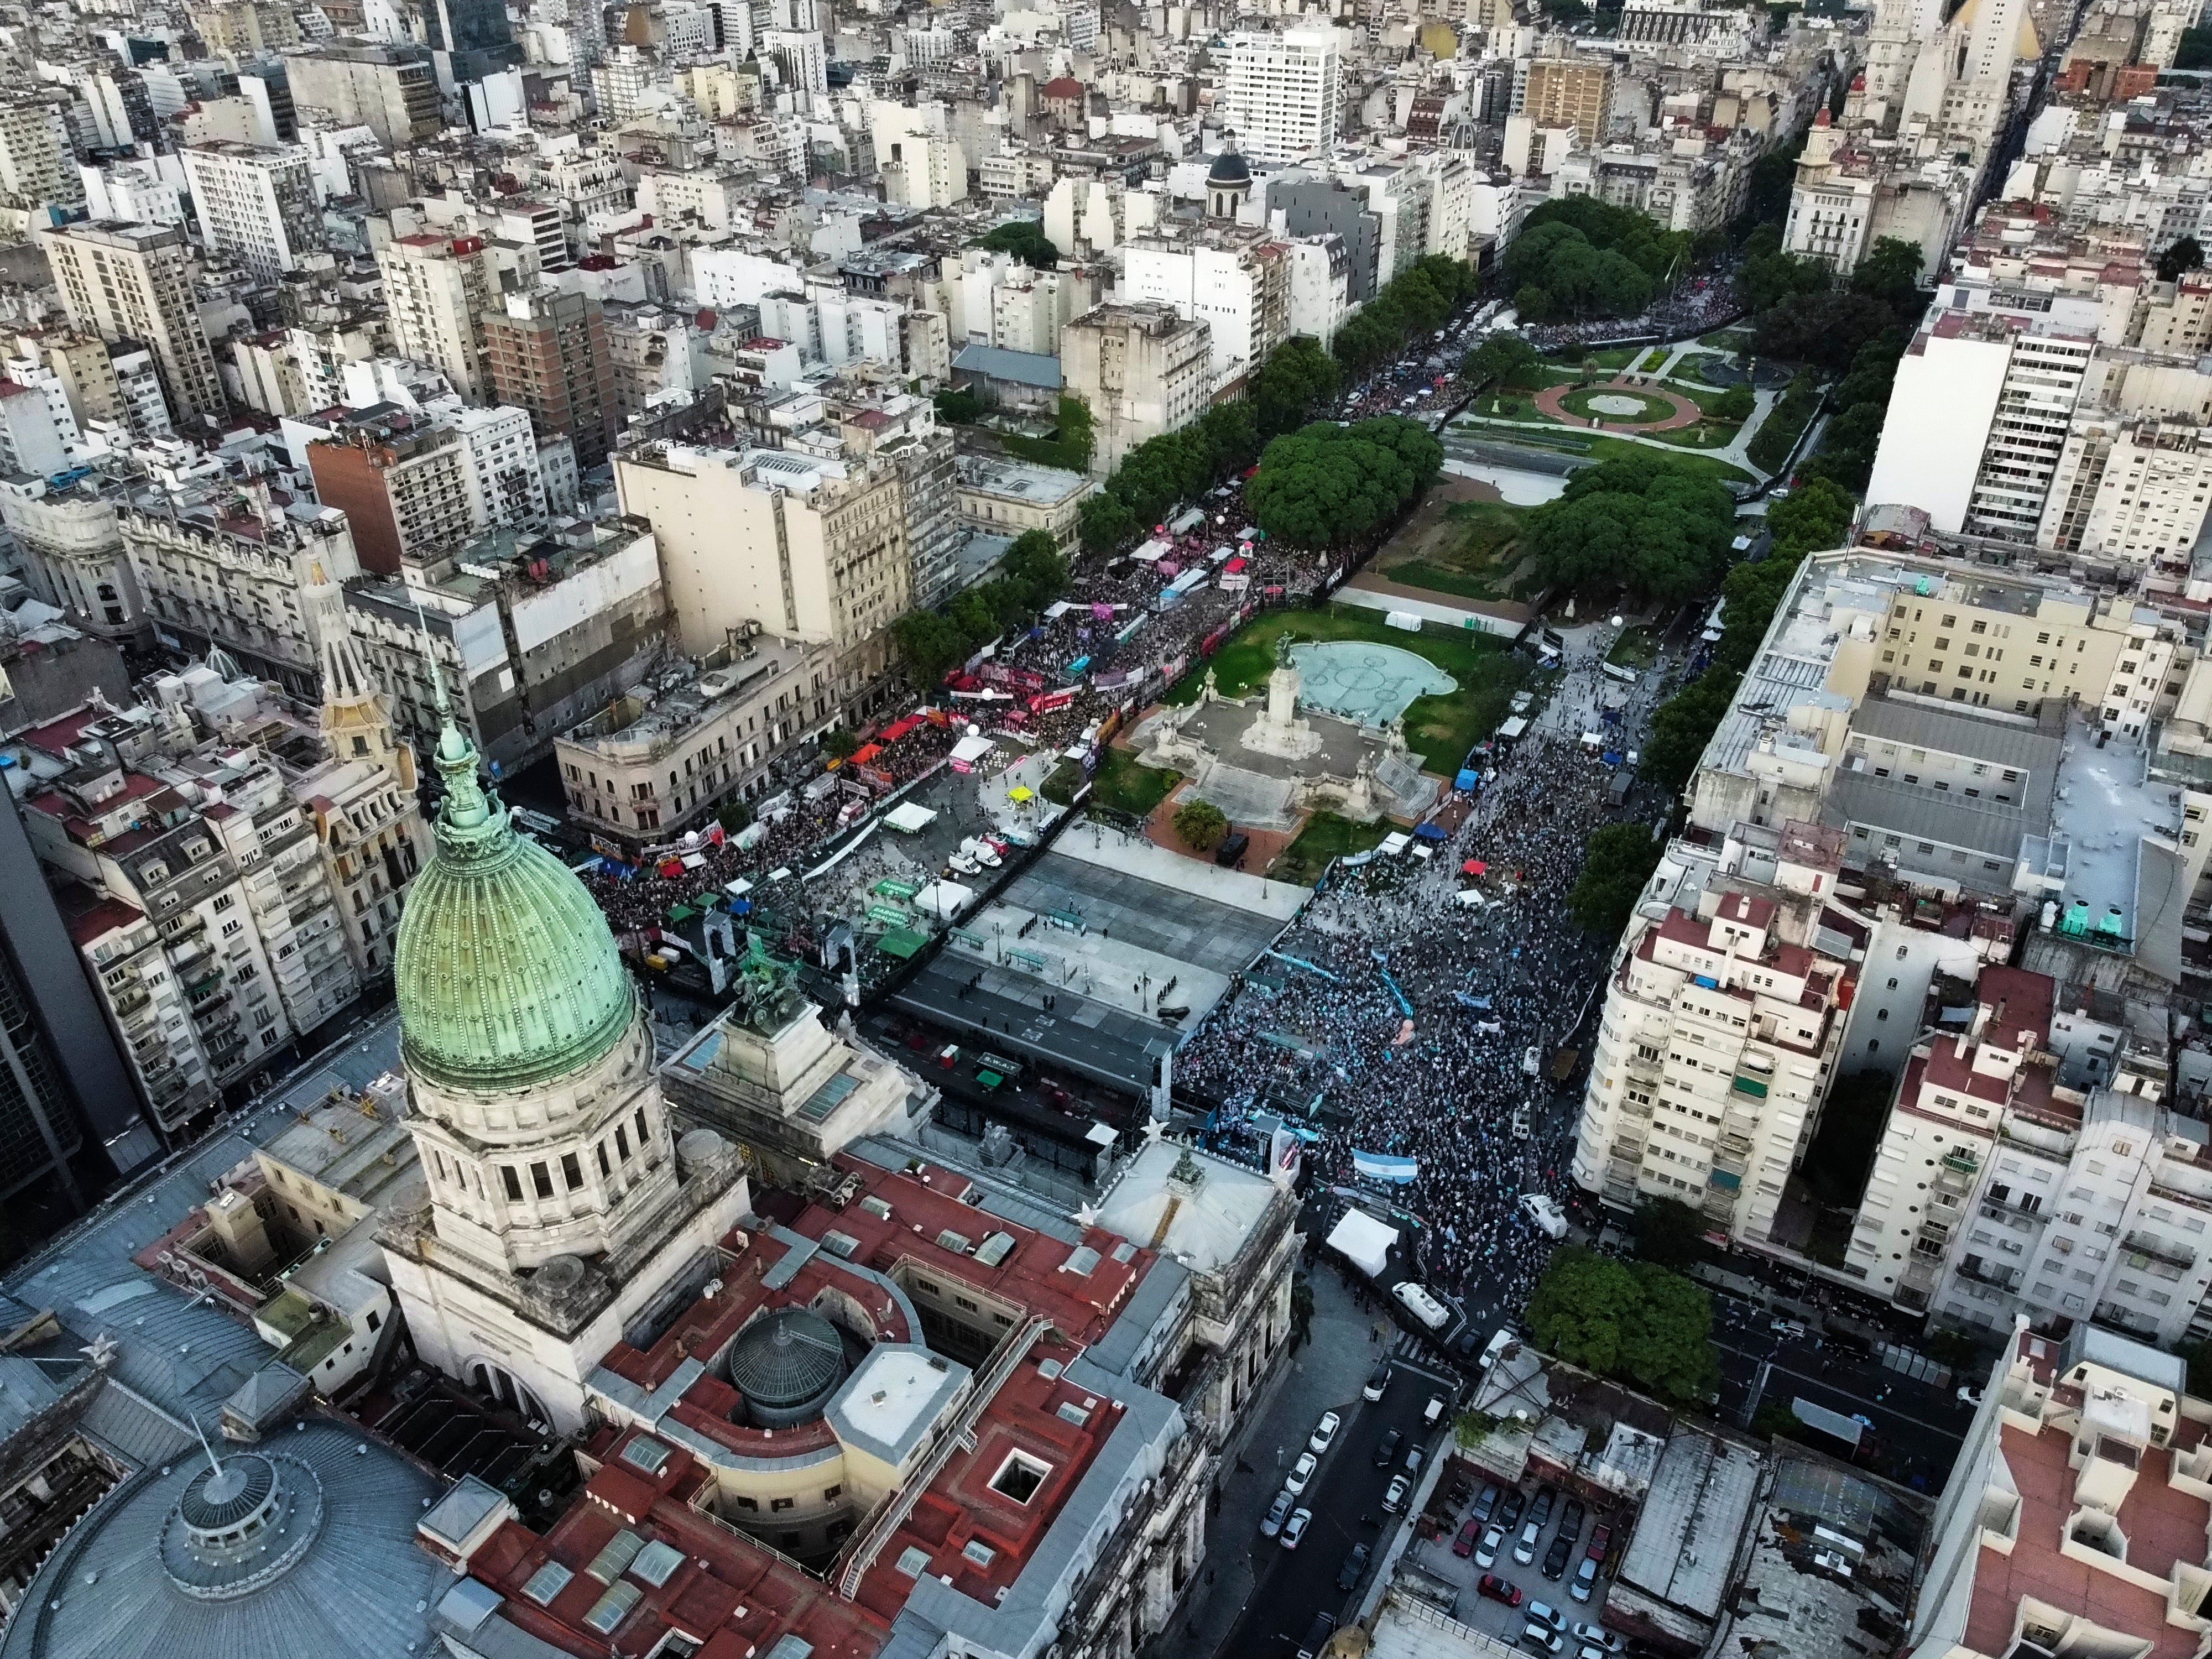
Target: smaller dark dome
[1229, 168]
[786, 1364]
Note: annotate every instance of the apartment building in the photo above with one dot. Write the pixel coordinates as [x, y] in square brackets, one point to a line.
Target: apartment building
[2073, 1517]
[2000, 643]
[135, 282]
[1282, 94]
[533, 633]
[546, 353]
[1141, 369]
[2058, 1204]
[1569, 92]
[77, 374]
[804, 545]
[1234, 279]
[36, 165]
[439, 290]
[505, 476]
[217, 569]
[2129, 491]
[1721, 1027]
[641, 773]
[392, 90]
[403, 484]
[256, 203]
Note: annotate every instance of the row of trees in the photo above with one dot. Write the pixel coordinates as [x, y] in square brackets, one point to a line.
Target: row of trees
[1031, 575]
[1617, 861]
[1646, 523]
[1416, 302]
[1816, 516]
[1632, 1320]
[1580, 257]
[1777, 434]
[1295, 384]
[1327, 485]
[1861, 404]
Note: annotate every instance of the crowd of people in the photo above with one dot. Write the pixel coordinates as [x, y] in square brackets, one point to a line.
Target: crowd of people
[1328, 1034]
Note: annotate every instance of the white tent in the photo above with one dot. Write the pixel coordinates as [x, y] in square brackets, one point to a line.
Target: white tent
[907, 818]
[1364, 1242]
[969, 750]
[943, 899]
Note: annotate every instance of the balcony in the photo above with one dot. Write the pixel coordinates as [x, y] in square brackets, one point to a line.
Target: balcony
[1627, 1151]
[1755, 1087]
[1962, 1162]
[1985, 1272]
[1643, 1069]
[2112, 1317]
[1729, 1164]
[2158, 1249]
[1936, 1232]
[1636, 1109]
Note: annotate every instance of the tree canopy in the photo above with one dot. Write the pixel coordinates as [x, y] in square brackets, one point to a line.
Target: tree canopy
[1633, 1320]
[1201, 824]
[1644, 523]
[1297, 383]
[1580, 257]
[1414, 302]
[1617, 861]
[1025, 239]
[1032, 574]
[1327, 485]
[1502, 358]
[2180, 257]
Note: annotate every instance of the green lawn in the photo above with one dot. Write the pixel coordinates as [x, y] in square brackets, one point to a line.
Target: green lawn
[1703, 395]
[1653, 359]
[1326, 836]
[1648, 408]
[1470, 556]
[1440, 730]
[1706, 435]
[1727, 339]
[1124, 785]
[1698, 367]
[1606, 447]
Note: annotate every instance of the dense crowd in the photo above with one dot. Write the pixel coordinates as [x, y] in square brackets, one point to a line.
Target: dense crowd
[1446, 1096]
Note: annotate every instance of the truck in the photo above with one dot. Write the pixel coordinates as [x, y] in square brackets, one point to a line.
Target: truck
[1418, 1301]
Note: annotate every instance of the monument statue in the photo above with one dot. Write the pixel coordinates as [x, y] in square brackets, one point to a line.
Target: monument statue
[768, 990]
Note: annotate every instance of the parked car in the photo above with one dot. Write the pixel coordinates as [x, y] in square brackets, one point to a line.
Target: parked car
[1596, 1635]
[1355, 1563]
[1376, 1384]
[1571, 1520]
[1485, 1553]
[1278, 1512]
[1540, 1513]
[1414, 1454]
[1509, 1512]
[1555, 1559]
[1546, 1614]
[1386, 1448]
[1537, 1636]
[1585, 1585]
[1485, 1505]
[1395, 1498]
[1294, 1529]
[1470, 1533]
[1600, 1542]
[1524, 1548]
[1324, 1433]
[1301, 1473]
[1970, 1393]
[1317, 1635]
[1498, 1590]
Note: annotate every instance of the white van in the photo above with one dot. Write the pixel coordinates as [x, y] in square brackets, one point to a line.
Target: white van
[1418, 1303]
[1545, 1213]
[1498, 1344]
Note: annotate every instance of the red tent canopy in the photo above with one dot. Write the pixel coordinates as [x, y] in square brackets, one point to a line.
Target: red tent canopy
[1473, 867]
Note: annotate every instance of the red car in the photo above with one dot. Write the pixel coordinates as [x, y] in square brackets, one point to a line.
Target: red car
[1600, 1542]
[1498, 1590]
[1464, 1543]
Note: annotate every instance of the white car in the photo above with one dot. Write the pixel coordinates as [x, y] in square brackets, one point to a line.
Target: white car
[1597, 1636]
[1324, 1434]
[1278, 1511]
[982, 852]
[1294, 1529]
[1486, 1552]
[1395, 1499]
[961, 864]
[1301, 1473]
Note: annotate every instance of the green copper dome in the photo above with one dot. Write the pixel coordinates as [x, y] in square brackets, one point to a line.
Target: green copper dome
[506, 972]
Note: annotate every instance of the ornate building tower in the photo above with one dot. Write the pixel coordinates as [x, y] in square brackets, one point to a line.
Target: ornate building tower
[1228, 181]
[367, 814]
[558, 1213]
